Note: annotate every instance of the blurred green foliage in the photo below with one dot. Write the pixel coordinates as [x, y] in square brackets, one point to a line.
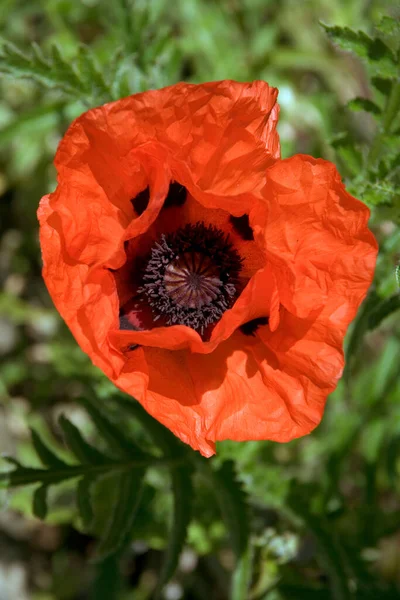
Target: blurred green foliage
[318, 518]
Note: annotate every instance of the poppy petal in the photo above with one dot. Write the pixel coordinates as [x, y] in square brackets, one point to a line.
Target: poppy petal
[315, 235]
[208, 135]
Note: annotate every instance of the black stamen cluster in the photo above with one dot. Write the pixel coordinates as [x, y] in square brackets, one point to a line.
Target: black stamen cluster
[194, 239]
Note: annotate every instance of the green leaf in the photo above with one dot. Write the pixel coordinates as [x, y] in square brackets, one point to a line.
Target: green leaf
[36, 67]
[182, 511]
[65, 71]
[348, 39]
[348, 152]
[382, 310]
[39, 504]
[377, 55]
[127, 500]
[380, 193]
[83, 451]
[107, 582]
[160, 435]
[27, 475]
[357, 104]
[120, 87]
[242, 575]
[115, 438]
[384, 86]
[89, 71]
[47, 456]
[12, 461]
[181, 486]
[232, 500]
[233, 505]
[397, 275]
[32, 120]
[79, 77]
[390, 30]
[83, 499]
[329, 549]
[351, 157]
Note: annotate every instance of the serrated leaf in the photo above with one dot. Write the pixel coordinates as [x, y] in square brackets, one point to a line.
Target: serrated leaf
[38, 55]
[384, 86]
[397, 275]
[12, 461]
[120, 83]
[383, 309]
[83, 451]
[115, 438]
[357, 104]
[160, 435]
[120, 524]
[39, 503]
[57, 71]
[380, 193]
[28, 475]
[182, 490]
[90, 72]
[348, 39]
[390, 30]
[160, 45]
[65, 70]
[83, 500]
[374, 51]
[47, 456]
[16, 63]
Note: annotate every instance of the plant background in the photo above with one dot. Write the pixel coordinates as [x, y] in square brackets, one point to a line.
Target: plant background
[318, 518]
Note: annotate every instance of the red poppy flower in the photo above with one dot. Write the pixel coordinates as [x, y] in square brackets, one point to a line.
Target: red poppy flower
[206, 277]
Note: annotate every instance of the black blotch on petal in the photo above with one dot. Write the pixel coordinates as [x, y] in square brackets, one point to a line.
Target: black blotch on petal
[242, 226]
[176, 195]
[126, 325]
[141, 201]
[251, 327]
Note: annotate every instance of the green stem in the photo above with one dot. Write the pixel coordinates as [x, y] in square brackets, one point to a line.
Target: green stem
[391, 111]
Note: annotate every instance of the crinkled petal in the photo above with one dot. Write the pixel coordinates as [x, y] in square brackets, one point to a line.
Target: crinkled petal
[86, 298]
[216, 138]
[315, 235]
[271, 387]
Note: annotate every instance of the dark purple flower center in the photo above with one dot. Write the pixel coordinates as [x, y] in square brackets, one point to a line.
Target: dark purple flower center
[192, 280]
[191, 276]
